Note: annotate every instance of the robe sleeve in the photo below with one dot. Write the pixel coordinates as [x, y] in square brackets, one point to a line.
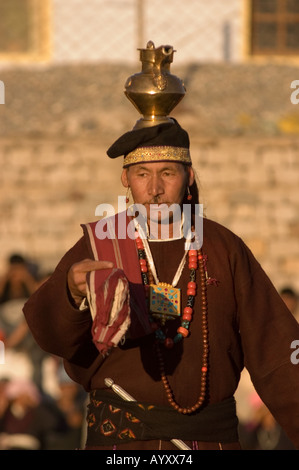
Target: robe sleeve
[58, 326]
[267, 330]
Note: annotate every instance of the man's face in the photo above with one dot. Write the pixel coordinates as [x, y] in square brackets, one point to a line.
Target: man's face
[157, 183]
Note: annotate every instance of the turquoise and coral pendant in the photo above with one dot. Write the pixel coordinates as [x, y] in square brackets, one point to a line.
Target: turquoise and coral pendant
[165, 301]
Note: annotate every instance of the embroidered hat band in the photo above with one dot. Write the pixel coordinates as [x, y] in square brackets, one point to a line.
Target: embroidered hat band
[158, 154]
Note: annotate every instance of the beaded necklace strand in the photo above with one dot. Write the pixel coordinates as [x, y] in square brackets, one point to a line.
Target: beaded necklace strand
[195, 261]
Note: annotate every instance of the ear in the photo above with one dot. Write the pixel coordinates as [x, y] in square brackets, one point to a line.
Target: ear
[124, 178]
[191, 176]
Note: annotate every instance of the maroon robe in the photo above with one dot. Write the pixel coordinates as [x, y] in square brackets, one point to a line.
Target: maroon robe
[248, 325]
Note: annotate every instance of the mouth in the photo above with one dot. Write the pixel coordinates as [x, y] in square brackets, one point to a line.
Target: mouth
[157, 203]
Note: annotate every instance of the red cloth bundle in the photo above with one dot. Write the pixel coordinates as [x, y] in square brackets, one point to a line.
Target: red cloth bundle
[109, 302]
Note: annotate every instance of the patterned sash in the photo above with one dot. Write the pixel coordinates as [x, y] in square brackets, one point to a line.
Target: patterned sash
[111, 420]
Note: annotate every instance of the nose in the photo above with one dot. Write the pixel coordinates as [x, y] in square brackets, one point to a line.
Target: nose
[156, 187]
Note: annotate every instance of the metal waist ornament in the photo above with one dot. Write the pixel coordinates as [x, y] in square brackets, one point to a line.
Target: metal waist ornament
[154, 91]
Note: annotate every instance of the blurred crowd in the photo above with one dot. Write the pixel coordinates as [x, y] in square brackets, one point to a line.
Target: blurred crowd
[41, 408]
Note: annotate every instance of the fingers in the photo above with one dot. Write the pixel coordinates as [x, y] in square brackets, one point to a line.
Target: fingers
[77, 276]
[88, 265]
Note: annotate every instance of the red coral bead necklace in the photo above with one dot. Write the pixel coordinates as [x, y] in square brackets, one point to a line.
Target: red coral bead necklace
[195, 262]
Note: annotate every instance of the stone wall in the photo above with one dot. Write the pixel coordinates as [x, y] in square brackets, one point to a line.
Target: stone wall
[252, 187]
[49, 187]
[57, 124]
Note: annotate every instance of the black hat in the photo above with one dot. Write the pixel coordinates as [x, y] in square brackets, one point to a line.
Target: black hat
[163, 142]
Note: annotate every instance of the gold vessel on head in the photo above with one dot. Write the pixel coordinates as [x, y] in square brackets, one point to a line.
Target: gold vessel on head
[154, 91]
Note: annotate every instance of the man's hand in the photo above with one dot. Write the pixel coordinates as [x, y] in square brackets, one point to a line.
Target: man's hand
[77, 277]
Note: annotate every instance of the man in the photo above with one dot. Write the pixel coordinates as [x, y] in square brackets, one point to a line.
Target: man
[172, 326]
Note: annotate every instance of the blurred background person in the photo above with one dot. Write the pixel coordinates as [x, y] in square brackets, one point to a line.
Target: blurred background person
[23, 357]
[291, 299]
[18, 282]
[261, 431]
[71, 402]
[26, 420]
